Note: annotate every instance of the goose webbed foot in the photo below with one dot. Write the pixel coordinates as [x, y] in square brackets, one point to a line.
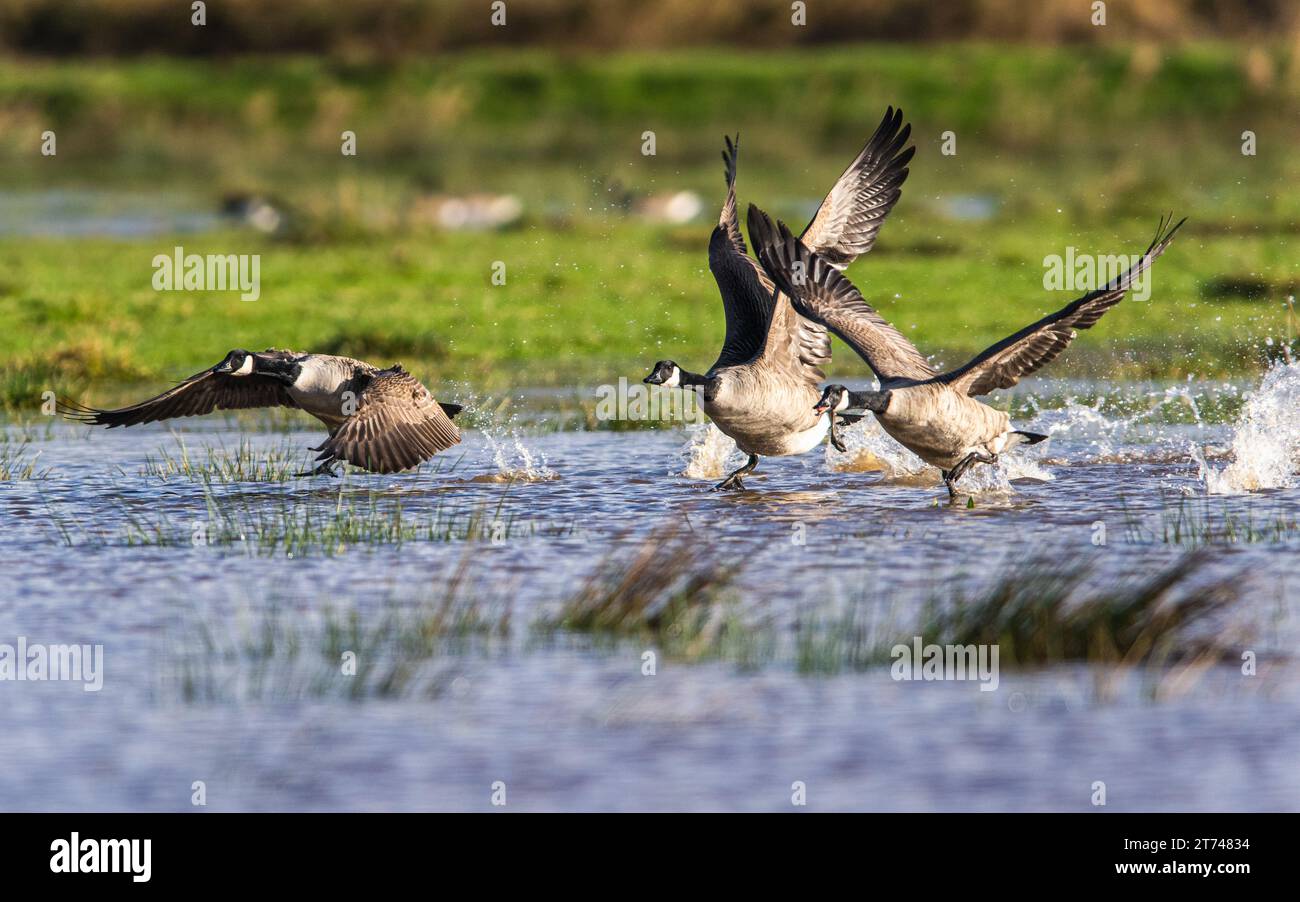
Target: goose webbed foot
[736, 479]
[325, 469]
[836, 442]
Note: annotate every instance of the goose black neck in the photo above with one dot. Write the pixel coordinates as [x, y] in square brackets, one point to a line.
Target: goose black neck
[284, 369]
[874, 401]
[692, 380]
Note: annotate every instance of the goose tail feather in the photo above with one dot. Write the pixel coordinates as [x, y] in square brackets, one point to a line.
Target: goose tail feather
[1026, 438]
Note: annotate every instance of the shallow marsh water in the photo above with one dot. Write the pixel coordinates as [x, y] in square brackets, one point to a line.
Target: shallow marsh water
[211, 600]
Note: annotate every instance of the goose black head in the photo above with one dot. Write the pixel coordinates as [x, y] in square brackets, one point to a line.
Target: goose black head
[834, 397]
[237, 363]
[665, 373]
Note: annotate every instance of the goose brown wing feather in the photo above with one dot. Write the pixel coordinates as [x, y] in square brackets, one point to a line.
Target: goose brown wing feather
[397, 425]
[200, 394]
[756, 323]
[849, 218]
[819, 292]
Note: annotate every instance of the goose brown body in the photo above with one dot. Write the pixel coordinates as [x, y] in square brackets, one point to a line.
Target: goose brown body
[942, 426]
[765, 415]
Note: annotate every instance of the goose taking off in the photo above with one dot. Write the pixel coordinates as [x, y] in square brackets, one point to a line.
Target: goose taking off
[936, 416]
[762, 388]
[380, 420]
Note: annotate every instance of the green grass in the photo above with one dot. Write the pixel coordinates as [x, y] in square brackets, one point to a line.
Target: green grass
[19, 462]
[246, 463]
[400, 650]
[1080, 146]
[676, 595]
[83, 315]
[653, 591]
[1042, 613]
[331, 524]
[1193, 522]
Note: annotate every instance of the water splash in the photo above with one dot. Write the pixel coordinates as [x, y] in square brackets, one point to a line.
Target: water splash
[1025, 463]
[1265, 443]
[1181, 394]
[709, 454]
[1020, 463]
[1084, 423]
[516, 462]
[1150, 425]
[872, 450]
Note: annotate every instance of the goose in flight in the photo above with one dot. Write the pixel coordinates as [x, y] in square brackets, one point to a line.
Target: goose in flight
[762, 388]
[380, 420]
[935, 416]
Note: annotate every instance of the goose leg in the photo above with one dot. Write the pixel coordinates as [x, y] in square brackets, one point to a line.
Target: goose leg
[950, 477]
[735, 480]
[325, 469]
[836, 443]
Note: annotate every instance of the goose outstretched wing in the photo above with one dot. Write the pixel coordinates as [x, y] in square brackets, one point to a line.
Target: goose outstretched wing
[845, 225]
[1036, 345]
[200, 394]
[750, 302]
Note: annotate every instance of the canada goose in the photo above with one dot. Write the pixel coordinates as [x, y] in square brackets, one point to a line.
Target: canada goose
[380, 420]
[936, 416]
[265, 214]
[468, 212]
[663, 208]
[762, 388]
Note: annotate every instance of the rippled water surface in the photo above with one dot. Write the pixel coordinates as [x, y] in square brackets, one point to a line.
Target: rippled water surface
[211, 598]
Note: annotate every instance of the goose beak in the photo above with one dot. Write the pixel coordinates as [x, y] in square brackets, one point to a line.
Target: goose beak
[821, 408]
[224, 367]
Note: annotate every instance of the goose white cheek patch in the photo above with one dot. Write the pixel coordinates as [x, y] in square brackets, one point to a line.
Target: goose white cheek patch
[245, 368]
[675, 379]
